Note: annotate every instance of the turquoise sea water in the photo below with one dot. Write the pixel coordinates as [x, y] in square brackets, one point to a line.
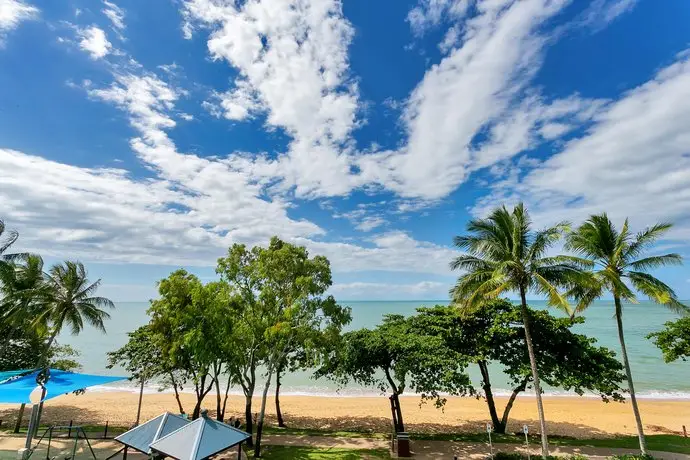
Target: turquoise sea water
[653, 377]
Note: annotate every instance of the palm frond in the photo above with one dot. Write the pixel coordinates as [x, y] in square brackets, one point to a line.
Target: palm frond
[650, 263]
[555, 298]
[657, 291]
[646, 238]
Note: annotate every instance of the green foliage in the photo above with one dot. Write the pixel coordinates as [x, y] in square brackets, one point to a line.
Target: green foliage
[517, 456]
[491, 333]
[396, 356]
[280, 316]
[504, 254]
[674, 340]
[141, 356]
[619, 257]
[23, 348]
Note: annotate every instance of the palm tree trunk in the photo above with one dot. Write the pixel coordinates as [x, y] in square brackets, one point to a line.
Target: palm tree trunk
[628, 373]
[489, 395]
[535, 374]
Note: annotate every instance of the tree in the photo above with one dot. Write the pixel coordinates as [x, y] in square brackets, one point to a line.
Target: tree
[182, 332]
[674, 340]
[278, 292]
[396, 356]
[67, 299]
[615, 259]
[504, 255]
[7, 239]
[492, 335]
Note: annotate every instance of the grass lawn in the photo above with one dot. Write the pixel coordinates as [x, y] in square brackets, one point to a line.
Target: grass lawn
[311, 453]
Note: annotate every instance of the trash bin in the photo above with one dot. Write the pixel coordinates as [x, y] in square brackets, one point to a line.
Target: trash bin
[403, 444]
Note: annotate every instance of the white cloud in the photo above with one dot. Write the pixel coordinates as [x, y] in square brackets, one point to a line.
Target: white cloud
[94, 42]
[602, 12]
[240, 103]
[371, 291]
[116, 16]
[634, 162]
[13, 12]
[430, 13]
[292, 57]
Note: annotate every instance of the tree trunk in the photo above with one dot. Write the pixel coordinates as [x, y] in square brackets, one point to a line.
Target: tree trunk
[219, 414]
[628, 373]
[398, 414]
[177, 393]
[535, 374]
[509, 405]
[19, 418]
[281, 422]
[249, 426]
[260, 422]
[488, 394]
[225, 399]
[141, 396]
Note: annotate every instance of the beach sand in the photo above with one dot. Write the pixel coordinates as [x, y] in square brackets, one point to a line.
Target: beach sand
[569, 416]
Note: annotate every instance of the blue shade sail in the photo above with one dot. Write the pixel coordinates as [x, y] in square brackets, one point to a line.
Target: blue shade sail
[6, 375]
[17, 391]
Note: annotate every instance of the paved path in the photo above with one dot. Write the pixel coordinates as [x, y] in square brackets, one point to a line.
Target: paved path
[423, 450]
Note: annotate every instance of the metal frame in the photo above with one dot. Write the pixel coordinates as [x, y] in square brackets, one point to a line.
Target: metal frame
[49, 432]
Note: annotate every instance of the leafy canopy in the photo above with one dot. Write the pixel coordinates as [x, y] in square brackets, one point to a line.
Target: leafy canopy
[504, 253]
[617, 257]
[674, 340]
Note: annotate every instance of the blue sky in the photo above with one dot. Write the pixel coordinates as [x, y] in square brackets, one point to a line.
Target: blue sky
[140, 137]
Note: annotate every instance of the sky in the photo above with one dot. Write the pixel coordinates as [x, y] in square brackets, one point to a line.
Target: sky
[140, 137]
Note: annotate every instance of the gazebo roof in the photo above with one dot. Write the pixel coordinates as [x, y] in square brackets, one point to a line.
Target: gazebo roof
[199, 439]
[141, 437]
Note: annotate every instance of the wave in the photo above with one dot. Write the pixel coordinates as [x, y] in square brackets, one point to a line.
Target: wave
[329, 392]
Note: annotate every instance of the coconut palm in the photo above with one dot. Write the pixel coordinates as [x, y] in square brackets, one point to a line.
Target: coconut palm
[617, 259]
[70, 301]
[7, 239]
[23, 291]
[504, 254]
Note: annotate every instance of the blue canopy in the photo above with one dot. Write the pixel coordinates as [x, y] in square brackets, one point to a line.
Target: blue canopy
[6, 375]
[60, 382]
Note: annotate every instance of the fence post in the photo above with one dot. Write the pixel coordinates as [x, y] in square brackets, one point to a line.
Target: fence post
[69, 430]
[685, 432]
[105, 433]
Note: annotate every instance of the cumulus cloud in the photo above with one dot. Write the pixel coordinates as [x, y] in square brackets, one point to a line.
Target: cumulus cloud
[12, 13]
[372, 291]
[633, 162]
[94, 41]
[293, 65]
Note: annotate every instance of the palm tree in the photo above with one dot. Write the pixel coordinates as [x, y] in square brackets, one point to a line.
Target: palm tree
[10, 236]
[615, 257]
[504, 255]
[70, 301]
[23, 291]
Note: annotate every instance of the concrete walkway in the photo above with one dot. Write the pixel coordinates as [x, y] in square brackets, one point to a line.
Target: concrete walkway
[423, 450]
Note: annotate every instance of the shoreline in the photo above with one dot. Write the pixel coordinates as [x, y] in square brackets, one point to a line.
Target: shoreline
[355, 393]
[566, 416]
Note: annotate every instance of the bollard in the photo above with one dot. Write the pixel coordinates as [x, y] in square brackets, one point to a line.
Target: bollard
[105, 433]
[489, 429]
[69, 430]
[685, 432]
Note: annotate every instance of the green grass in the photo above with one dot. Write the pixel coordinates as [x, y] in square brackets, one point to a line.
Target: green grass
[311, 453]
[329, 433]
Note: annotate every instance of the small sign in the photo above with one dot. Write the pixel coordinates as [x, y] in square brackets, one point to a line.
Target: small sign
[489, 428]
[525, 429]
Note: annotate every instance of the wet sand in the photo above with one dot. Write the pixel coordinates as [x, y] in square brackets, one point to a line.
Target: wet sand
[569, 416]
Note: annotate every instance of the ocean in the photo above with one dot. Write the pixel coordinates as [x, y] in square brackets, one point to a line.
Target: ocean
[653, 377]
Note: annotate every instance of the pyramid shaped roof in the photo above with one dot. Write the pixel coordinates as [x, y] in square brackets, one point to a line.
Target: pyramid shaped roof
[141, 437]
[199, 439]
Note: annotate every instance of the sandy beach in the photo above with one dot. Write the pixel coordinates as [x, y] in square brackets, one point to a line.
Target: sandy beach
[578, 417]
